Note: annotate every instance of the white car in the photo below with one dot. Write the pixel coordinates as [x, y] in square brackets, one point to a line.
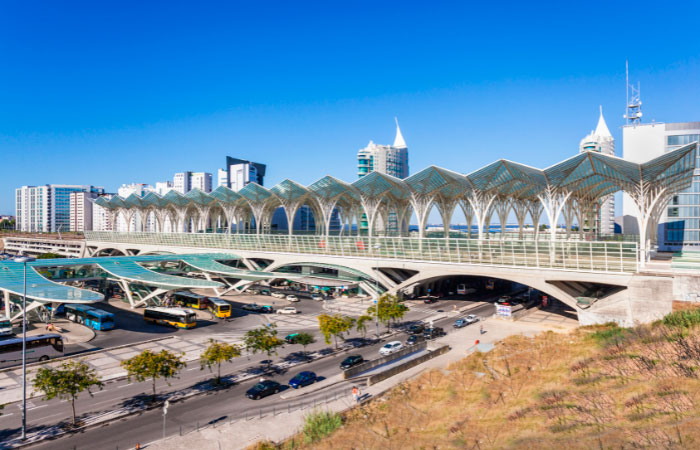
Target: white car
[317, 297]
[278, 294]
[390, 348]
[287, 310]
[292, 298]
[471, 318]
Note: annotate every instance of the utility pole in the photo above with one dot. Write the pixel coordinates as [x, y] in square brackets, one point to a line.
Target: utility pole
[377, 247]
[24, 260]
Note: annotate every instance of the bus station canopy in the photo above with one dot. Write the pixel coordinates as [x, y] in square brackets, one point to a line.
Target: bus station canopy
[126, 268]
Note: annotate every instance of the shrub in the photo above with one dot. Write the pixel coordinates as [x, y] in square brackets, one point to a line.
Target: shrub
[320, 424]
[609, 334]
[683, 319]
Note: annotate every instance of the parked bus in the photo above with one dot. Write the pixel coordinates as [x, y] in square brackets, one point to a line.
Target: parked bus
[90, 317]
[462, 289]
[5, 326]
[39, 348]
[220, 308]
[190, 300]
[175, 317]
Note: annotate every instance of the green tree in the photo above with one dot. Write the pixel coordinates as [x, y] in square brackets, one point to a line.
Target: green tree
[362, 324]
[334, 326]
[217, 353]
[67, 381]
[147, 364]
[390, 309]
[49, 255]
[304, 339]
[264, 340]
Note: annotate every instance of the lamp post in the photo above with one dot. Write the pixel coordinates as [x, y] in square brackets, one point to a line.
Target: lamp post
[24, 260]
[377, 247]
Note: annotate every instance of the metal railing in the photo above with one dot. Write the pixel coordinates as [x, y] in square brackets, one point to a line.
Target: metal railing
[588, 256]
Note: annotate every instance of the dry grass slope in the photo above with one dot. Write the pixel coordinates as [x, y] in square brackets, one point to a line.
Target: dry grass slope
[598, 387]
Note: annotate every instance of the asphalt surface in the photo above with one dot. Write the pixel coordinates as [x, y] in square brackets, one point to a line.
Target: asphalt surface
[224, 404]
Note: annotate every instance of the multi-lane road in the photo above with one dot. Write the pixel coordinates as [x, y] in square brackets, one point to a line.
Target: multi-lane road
[224, 404]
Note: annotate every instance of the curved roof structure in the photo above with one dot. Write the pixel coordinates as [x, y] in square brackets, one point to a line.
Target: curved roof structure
[588, 175]
[40, 288]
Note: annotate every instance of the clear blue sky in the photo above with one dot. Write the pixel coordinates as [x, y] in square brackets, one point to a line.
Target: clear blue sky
[107, 93]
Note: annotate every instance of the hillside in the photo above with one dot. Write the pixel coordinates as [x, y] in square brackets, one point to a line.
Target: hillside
[597, 387]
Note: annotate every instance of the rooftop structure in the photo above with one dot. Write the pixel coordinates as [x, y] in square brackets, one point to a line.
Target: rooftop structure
[569, 189]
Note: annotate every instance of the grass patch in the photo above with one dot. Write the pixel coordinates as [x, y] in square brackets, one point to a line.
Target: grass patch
[683, 319]
[609, 334]
[320, 424]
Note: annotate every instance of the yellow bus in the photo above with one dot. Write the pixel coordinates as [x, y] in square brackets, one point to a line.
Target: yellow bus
[220, 308]
[190, 300]
[174, 317]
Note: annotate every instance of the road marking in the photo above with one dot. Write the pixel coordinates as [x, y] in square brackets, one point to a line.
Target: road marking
[98, 392]
[37, 407]
[194, 368]
[8, 415]
[119, 387]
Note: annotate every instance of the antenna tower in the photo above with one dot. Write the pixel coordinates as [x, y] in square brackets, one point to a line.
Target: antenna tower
[634, 102]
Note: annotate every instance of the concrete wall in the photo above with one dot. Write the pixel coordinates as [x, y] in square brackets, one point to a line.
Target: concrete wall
[407, 365]
[369, 365]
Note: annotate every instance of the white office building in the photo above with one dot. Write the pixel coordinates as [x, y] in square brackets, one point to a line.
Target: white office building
[101, 217]
[239, 172]
[389, 159]
[46, 208]
[600, 140]
[163, 187]
[81, 210]
[184, 182]
[679, 226]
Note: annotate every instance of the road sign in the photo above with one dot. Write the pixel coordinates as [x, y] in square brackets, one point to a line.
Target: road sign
[165, 407]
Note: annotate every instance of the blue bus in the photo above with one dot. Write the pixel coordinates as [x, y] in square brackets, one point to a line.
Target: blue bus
[90, 317]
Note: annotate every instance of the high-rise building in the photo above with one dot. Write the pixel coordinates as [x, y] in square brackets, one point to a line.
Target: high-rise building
[81, 210]
[389, 159]
[46, 208]
[101, 217]
[240, 172]
[184, 182]
[679, 226]
[163, 187]
[600, 140]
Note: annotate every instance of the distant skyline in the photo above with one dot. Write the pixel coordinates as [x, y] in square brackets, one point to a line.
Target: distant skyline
[125, 92]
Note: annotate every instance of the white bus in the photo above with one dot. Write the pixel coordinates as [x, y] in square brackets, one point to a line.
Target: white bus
[39, 348]
[5, 326]
[462, 289]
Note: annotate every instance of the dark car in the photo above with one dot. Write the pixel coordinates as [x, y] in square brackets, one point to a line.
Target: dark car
[416, 328]
[265, 292]
[263, 389]
[430, 300]
[267, 309]
[432, 333]
[351, 361]
[414, 339]
[303, 379]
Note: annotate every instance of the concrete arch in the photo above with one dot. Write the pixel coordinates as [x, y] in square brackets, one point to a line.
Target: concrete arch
[108, 251]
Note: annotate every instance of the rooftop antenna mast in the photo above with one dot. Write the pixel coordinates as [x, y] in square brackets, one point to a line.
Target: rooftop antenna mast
[634, 102]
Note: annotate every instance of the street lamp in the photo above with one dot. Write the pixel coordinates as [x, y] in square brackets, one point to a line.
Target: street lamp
[24, 260]
[377, 247]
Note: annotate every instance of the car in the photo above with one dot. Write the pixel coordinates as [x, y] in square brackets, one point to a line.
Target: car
[429, 300]
[471, 318]
[278, 294]
[265, 292]
[252, 307]
[416, 328]
[292, 298]
[432, 333]
[267, 309]
[351, 361]
[414, 339]
[390, 347]
[459, 323]
[291, 338]
[317, 297]
[504, 300]
[287, 310]
[303, 379]
[263, 389]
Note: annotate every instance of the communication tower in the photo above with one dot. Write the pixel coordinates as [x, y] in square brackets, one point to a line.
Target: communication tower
[634, 102]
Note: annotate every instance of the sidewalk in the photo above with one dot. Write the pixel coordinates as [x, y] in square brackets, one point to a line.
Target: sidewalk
[241, 434]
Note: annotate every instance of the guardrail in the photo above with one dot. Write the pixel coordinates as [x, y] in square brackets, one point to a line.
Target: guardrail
[589, 256]
[369, 365]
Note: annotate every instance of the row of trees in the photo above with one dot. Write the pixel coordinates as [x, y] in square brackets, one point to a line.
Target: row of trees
[388, 310]
[71, 378]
